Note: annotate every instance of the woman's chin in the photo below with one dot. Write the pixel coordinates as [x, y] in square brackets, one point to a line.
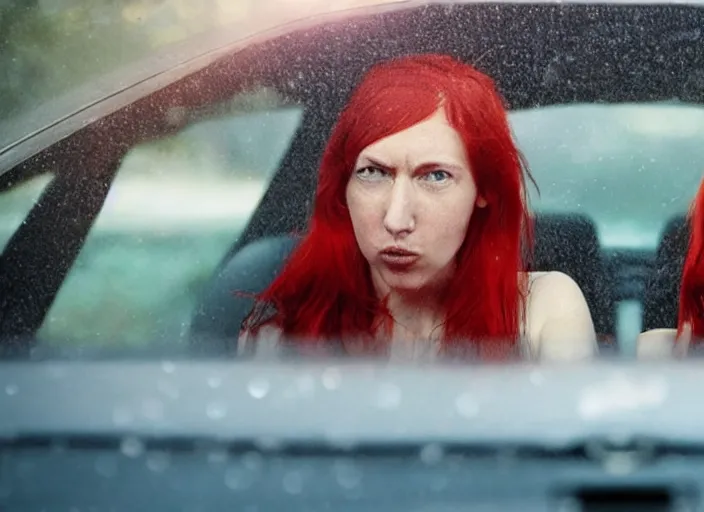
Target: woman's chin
[405, 283]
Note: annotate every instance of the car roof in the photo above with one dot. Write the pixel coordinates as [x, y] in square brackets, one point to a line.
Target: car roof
[35, 129]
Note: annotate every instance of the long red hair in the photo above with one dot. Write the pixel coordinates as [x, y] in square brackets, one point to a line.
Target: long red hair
[692, 286]
[325, 293]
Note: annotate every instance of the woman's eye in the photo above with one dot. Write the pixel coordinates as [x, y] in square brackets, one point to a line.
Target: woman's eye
[371, 173]
[437, 176]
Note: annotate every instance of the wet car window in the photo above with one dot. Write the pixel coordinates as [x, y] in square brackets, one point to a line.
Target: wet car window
[174, 210]
[17, 201]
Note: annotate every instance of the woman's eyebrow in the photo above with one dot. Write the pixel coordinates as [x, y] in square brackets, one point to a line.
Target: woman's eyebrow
[378, 163]
[440, 164]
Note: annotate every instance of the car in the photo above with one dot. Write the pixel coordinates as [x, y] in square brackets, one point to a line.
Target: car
[217, 435]
[148, 187]
[154, 176]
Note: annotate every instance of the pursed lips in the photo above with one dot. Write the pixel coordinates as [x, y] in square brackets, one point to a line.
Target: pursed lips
[398, 256]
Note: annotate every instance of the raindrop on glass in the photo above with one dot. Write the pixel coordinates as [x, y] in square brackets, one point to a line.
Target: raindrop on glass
[11, 389]
[153, 410]
[216, 411]
[258, 388]
[466, 405]
[388, 397]
[121, 417]
[293, 482]
[218, 456]
[169, 390]
[252, 461]
[536, 378]
[106, 466]
[347, 474]
[431, 454]
[236, 479]
[306, 385]
[214, 382]
[158, 462]
[168, 367]
[132, 447]
[331, 378]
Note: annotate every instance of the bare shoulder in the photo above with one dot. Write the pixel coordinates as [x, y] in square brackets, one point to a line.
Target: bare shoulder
[656, 343]
[560, 323]
[265, 342]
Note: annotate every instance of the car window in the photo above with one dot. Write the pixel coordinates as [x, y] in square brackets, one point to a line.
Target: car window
[176, 207]
[17, 201]
[614, 164]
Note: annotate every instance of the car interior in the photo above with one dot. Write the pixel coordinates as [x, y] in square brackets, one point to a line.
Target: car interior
[610, 48]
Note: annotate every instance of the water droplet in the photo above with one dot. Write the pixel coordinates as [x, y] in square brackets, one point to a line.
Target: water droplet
[347, 474]
[153, 410]
[218, 456]
[237, 479]
[432, 454]
[466, 405]
[258, 388]
[293, 482]
[106, 466]
[11, 389]
[158, 462]
[252, 461]
[268, 443]
[306, 385]
[168, 367]
[214, 382]
[169, 390]
[389, 396]
[121, 417]
[621, 463]
[132, 447]
[331, 378]
[216, 411]
[536, 378]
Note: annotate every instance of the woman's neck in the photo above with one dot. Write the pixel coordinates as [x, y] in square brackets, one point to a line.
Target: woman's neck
[415, 316]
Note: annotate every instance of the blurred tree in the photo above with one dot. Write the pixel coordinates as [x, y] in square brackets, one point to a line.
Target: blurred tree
[49, 46]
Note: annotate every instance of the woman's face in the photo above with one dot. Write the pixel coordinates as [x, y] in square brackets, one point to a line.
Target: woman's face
[410, 199]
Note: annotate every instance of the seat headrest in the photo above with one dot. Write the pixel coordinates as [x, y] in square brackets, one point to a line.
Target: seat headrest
[569, 243]
[661, 298]
[217, 320]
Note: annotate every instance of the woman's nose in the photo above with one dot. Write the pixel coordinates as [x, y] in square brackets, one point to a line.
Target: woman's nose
[399, 218]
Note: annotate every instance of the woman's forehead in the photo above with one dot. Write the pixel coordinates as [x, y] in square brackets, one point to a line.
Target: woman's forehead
[431, 139]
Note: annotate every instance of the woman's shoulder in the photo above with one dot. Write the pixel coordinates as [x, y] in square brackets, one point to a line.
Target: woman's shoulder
[656, 343]
[552, 286]
[558, 320]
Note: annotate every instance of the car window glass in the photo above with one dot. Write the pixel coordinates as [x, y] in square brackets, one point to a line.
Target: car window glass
[176, 207]
[614, 164]
[17, 202]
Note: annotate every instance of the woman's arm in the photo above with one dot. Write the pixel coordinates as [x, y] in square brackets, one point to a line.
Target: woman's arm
[561, 326]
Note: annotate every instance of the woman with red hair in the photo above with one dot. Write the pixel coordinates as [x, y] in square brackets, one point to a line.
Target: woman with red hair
[420, 233]
[690, 321]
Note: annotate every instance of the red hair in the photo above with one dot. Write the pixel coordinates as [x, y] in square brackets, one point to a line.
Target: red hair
[692, 286]
[324, 291]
